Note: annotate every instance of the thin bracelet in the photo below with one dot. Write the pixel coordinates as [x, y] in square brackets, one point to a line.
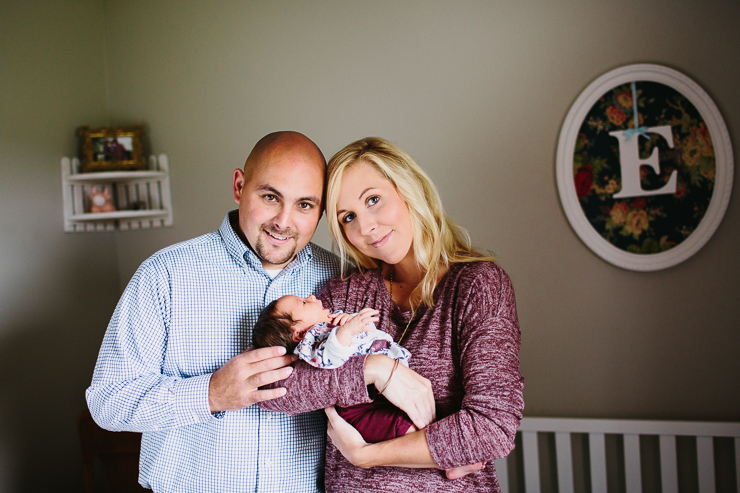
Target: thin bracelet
[395, 365]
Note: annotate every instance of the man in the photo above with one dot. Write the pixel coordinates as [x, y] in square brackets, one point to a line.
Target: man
[171, 364]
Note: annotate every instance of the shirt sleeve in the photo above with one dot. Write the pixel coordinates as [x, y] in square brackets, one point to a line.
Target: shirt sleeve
[311, 388]
[485, 427]
[129, 392]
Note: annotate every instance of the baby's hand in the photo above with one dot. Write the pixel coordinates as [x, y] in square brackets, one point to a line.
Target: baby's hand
[350, 325]
[340, 318]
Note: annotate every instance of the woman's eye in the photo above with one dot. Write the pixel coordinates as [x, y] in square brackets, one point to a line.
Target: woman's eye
[373, 200]
[348, 218]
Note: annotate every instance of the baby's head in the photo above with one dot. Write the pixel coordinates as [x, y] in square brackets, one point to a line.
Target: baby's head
[286, 320]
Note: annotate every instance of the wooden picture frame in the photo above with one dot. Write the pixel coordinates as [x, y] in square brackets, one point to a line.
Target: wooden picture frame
[111, 149]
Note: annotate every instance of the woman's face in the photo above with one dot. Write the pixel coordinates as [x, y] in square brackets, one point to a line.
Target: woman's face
[375, 219]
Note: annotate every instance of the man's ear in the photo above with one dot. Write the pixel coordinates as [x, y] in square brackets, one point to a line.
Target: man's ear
[238, 185]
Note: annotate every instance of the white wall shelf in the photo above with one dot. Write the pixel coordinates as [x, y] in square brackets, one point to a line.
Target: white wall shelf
[142, 198]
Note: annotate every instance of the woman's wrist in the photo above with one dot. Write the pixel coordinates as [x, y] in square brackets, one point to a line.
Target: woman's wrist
[377, 370]
[365, 456]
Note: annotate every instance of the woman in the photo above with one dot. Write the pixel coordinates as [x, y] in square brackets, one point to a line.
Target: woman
[449, 305]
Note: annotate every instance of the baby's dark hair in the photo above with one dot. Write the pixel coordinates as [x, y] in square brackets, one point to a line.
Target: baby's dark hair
[274, 328]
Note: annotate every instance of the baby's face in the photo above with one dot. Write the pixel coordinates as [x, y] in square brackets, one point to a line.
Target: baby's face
[305, 311]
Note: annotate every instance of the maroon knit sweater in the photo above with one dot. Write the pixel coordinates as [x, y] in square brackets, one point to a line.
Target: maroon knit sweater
[467, 345]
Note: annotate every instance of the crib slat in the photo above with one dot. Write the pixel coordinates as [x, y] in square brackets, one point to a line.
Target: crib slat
[705, 459]
[632, 473]
[502, 473]
[597, 452]
[565, 461]
[668, 464]
[531, 462]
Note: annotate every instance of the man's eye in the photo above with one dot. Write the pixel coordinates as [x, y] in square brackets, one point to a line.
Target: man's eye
[348, 218]
[270, 197]
[305, 206]
[373, 200]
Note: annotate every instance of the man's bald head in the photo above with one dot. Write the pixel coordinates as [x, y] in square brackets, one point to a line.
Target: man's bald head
[280, 145]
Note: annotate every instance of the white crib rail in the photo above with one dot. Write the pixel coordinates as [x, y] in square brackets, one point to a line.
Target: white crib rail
[631, 430]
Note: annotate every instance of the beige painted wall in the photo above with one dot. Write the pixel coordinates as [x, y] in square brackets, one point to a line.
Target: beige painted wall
[57, 290]
[475, 91]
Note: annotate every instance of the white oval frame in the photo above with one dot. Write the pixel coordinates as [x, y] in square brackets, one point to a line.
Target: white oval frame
[723, 174]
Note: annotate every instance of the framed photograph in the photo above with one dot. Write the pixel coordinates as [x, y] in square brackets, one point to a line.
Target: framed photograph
[644, 167]
[111, 149]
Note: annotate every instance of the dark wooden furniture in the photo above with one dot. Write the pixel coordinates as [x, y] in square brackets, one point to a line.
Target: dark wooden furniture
[118, 452]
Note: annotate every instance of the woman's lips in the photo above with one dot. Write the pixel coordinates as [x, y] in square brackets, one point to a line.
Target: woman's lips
[381, 241]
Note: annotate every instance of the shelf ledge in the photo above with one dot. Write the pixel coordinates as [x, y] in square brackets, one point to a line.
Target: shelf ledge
[105, 216]
[115, 176]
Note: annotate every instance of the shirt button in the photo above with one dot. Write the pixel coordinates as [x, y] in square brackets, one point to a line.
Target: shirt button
[268, 462]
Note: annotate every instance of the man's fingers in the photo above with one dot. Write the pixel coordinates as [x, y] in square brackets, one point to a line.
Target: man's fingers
[267, 394]
[267, 377]
[251, 355]
[267, 364]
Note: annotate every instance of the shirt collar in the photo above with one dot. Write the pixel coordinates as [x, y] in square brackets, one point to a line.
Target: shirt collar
[244, 255]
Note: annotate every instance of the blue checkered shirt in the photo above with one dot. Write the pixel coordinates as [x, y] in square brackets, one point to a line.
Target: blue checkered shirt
[188, 309]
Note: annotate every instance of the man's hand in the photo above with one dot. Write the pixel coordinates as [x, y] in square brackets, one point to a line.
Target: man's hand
[235, 385]
[407, 389]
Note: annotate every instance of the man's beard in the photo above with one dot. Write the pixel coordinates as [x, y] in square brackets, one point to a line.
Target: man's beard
[268, 253]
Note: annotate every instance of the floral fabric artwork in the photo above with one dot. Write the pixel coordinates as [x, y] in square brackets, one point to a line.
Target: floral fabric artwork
[654, 223]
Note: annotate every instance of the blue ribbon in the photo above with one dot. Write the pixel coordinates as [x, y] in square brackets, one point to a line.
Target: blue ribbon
[639, 130]
[636, 130]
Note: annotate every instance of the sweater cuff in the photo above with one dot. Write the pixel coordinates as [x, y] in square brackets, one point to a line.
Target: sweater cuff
[350, 383]
[440, 438]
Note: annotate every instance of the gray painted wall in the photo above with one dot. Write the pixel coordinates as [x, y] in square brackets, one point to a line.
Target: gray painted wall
[475, 91]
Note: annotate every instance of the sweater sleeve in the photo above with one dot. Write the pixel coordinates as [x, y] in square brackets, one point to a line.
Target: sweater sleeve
[311, 388]
[485, 427]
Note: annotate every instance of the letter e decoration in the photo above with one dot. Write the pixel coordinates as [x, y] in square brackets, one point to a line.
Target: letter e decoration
[644, 167]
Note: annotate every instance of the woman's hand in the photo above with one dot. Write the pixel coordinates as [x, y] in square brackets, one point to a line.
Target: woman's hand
[345, 438]
[407, 389]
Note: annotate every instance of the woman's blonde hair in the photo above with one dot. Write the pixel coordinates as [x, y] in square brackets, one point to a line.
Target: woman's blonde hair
[437, 241]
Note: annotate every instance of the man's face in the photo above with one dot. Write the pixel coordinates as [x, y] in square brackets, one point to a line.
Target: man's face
[279, 204]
